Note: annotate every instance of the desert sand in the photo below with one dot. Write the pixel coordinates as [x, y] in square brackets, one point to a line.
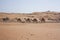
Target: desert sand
[29, 31]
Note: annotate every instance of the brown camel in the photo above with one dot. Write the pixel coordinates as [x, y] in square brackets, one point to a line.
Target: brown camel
[42, 20]
[18, 19]
[35, 20]
[5, 19]
[28, 20]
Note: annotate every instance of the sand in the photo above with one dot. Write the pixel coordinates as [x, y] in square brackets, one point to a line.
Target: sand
[29, 31]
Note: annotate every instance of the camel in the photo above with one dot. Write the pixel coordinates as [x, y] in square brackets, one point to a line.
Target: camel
[19, 20]
[5, 19]
[28, 20]
[35, 20]
[42, 20]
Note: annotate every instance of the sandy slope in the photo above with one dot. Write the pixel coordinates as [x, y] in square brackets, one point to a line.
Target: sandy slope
[42, 31]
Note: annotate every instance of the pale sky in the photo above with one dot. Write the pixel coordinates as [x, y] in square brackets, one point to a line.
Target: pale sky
[29, 5]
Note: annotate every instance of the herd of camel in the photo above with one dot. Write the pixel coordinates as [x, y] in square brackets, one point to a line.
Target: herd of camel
[26, 20]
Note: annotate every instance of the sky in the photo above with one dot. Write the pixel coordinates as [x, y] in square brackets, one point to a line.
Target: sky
[28, 6]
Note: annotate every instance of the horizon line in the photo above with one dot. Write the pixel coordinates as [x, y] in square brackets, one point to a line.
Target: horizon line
[28, 12]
